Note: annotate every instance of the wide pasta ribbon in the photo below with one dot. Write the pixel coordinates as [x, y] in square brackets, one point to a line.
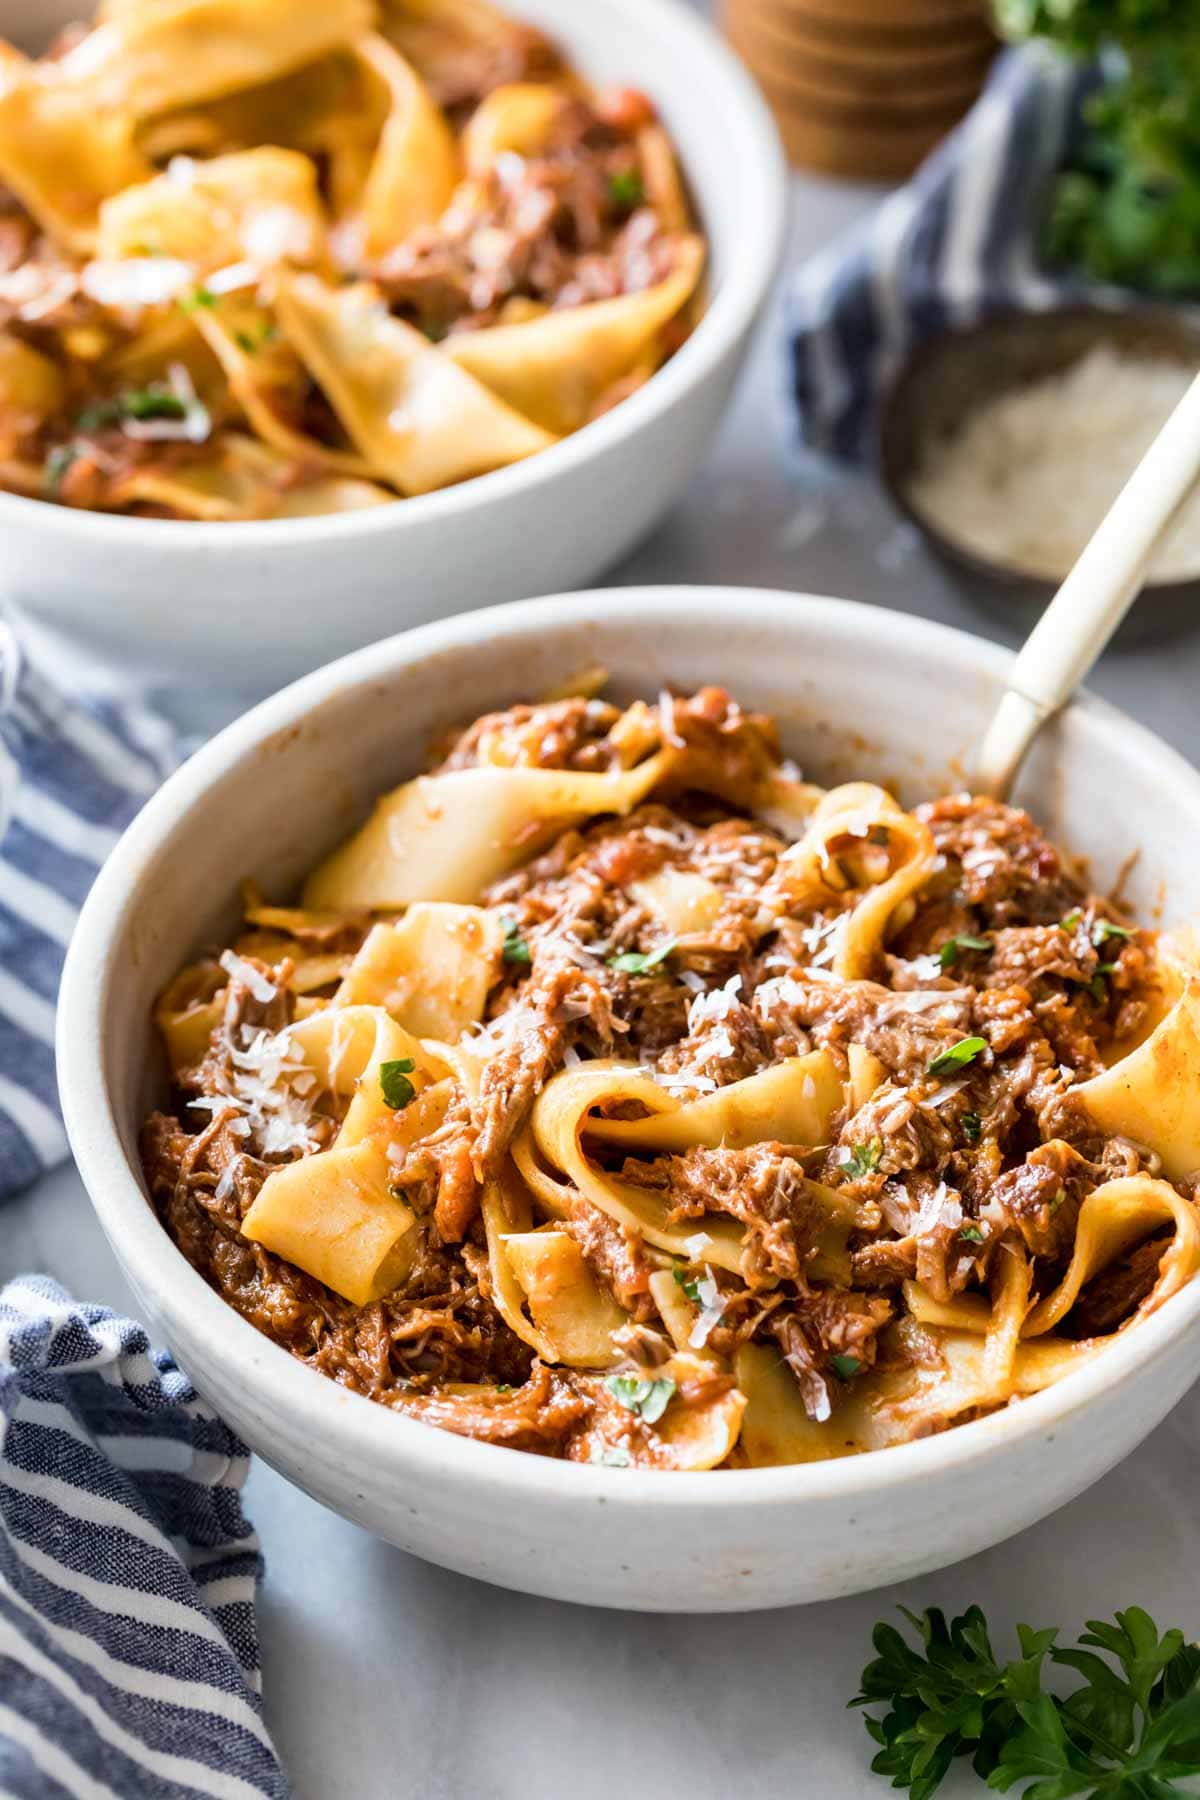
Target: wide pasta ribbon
[1153, 1094]
[416, 418]
[556, 369]
[790, 1098]
[333, 1212]
[416, 166]
[448, 836]
[861, 847]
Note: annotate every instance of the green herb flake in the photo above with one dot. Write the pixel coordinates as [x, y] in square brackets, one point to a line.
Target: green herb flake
[1104, 929]
[200, 297]
[972, 1126]
[1071, 920]
[394, 1084]
[1126, 1731]
[957, 1056]
[60, 459]
[647, 1398]
[1058, 1200]
[138, 403]
[845, 1367]
[863, 1159]
[252, 341]
[515, 950]
[503, 1387]
[972, 1234]
[626, 190]
[953, 948]
[689, 1283]
[610, 1456]
[634, 962]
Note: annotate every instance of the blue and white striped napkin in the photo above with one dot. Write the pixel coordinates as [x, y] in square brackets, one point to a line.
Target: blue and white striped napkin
[73, 772]
[129, 1665]
[955, 245]
[128, 1647]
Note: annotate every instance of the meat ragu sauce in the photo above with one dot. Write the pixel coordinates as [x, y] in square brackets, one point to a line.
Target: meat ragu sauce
[231, 286]
[687, 1116]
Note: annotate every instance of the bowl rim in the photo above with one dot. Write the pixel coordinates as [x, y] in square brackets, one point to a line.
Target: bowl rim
[1176, 327]
[747, 276]
[362, 1427]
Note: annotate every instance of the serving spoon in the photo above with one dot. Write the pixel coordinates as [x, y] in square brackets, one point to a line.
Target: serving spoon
[1091, 603]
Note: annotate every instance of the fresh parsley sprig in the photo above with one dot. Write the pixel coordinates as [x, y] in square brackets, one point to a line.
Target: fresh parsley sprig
[1131, 1731]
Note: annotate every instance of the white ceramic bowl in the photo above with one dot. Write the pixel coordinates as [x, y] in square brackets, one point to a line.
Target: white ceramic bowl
[857, 690]
[255, 604]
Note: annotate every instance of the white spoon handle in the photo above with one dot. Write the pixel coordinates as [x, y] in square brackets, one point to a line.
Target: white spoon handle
[1094, 598]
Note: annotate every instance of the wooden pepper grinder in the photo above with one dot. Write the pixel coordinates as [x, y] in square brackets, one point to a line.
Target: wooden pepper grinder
[863, 88]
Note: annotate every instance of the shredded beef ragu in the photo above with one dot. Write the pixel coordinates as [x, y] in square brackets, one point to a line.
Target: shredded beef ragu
[939, 1172]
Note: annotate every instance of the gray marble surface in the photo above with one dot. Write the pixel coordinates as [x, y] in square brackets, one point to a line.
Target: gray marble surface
[387, 1678]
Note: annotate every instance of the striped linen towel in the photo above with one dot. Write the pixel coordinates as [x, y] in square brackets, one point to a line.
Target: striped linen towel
[954, 246]
[128, 1647]
[129, 1662]
[73, 772]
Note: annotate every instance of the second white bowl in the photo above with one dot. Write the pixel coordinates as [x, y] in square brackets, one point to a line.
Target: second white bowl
[256, 604]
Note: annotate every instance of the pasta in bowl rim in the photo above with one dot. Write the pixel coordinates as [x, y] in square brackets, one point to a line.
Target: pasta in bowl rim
[186, 1309]
[742, 259]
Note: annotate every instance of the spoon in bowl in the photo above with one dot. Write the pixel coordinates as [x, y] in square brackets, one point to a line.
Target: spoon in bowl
[1091, 603]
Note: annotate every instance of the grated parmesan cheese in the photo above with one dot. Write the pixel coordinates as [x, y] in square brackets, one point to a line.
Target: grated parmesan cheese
[1030, 475]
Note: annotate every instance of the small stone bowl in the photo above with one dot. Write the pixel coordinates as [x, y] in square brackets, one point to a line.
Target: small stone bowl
[942, 382]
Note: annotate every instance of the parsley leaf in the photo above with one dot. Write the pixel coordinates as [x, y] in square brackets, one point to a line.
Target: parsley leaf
[252, 341]
[972, 1126]
[957, 1056]
[1132, 1729]
[515, 949]
[199, 297]
[154, 402]
[397, 1089]
[953, 948]
[845, 1367]
[634, 962]
[1070, 920]
[648, 1399]
[1104, 929]
[689, 1283]
[863, 1159]
[972, 1234]
[626, 190]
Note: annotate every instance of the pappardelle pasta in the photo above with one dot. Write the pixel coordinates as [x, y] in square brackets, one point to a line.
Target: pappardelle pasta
[617, 1095]
[262, 259]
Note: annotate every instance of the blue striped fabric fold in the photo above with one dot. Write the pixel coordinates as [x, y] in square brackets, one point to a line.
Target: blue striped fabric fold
[73, 772]
[129, 1662]
[955, 245]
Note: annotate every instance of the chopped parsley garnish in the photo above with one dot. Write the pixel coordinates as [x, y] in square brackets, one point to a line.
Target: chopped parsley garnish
[1128, 1731]
[972, 1126]
[199, 297]
[634, 962]
[58, 462]
[1105, 929]
[1057, 1201]
[972, 1234]
[252, 341]
[957, 1056]
[515, 950]
[394, 1084]
[845, 1367]
[1097, 987]
[1071, 920]
[953, 948]
[612, 1456]
[689, 1283]
[139, 403]
[863, 1159]
[503, 1387]
[627, 189]
[648, 1398]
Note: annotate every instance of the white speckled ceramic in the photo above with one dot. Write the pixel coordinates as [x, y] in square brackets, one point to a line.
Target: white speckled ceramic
[255, 604]
[856, 690]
